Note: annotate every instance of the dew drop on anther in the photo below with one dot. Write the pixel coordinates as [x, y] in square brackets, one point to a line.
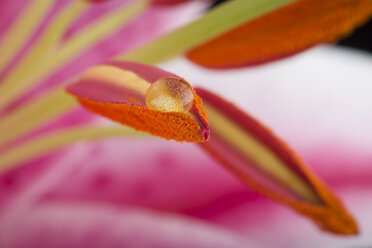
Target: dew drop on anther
[170, 95]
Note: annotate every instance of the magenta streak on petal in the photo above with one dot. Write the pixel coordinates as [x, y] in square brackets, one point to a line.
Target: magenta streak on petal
[9, 11]
[204, 126]
[244, 166]
[105, 92]
[94, 12]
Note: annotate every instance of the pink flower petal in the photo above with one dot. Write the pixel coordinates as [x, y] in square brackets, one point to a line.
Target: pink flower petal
[81, 225]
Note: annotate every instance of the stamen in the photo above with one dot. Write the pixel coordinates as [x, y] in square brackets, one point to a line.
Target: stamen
[216, 22]
[170, 95]
[254, 154]
[114, 90]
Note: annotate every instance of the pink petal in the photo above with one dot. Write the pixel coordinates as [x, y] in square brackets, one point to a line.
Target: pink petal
[56, 224]
[169, 177]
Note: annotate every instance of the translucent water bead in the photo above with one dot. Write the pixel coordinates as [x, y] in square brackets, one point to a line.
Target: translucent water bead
[170, 95]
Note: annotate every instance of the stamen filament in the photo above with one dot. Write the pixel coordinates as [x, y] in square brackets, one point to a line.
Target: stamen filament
[52, 141]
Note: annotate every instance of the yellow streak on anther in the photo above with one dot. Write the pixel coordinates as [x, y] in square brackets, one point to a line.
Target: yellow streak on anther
[113, 75]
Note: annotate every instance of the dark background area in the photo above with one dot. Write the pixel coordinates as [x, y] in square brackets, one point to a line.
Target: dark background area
[360, 39]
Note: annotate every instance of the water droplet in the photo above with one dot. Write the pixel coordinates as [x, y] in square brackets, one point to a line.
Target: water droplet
[170, 95]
